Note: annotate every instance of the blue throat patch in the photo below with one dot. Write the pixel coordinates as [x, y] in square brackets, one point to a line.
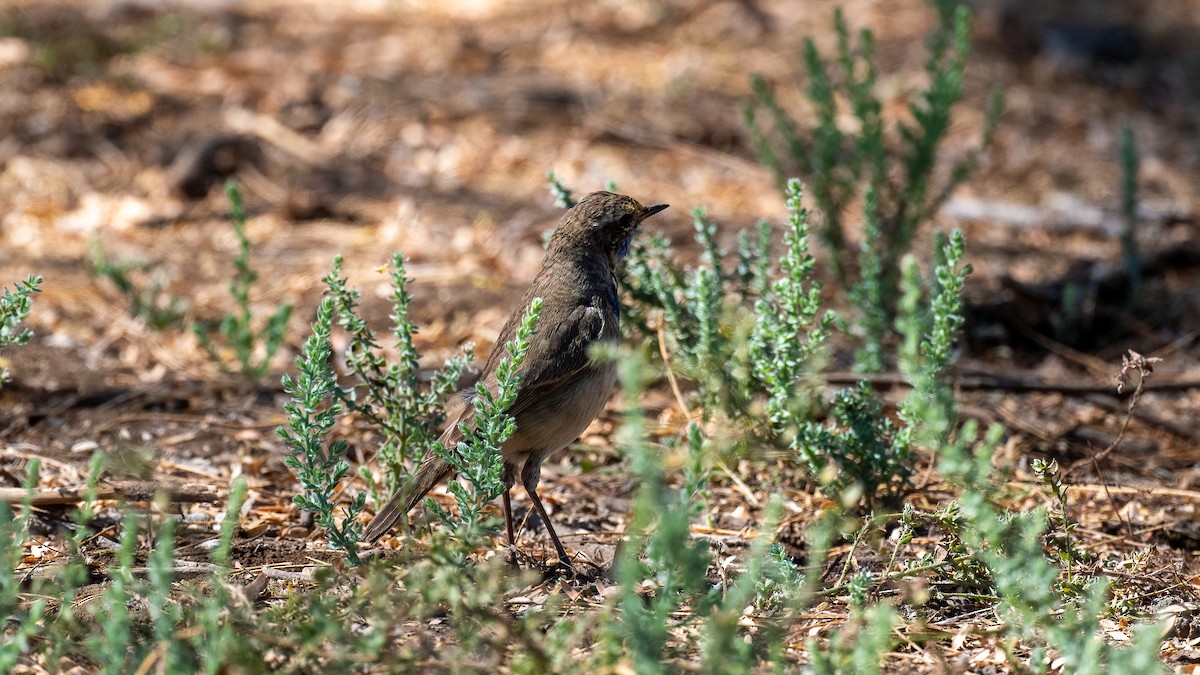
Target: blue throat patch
[610, 294]
[624, 246]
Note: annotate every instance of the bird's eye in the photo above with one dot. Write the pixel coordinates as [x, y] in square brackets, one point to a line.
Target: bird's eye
[617, 221]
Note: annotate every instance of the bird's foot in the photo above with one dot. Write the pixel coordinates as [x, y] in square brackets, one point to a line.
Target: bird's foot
[578, 570]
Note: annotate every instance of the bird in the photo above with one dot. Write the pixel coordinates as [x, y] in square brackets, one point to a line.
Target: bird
[562, 389]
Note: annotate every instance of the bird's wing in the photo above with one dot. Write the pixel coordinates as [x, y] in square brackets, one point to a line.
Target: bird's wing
[559, 352]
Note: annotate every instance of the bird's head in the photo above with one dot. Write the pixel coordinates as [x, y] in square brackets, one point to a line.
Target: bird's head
[603, 221]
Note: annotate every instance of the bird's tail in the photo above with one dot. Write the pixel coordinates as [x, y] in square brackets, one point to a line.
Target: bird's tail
[432, 471]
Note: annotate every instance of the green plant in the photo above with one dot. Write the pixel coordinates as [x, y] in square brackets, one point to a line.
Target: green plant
[477, 456]
[959, 567]
[662, 570]
[165, 614]
[43, 612]
[1011, 547]
[253, 349]
[112, 645]
[929, 324]
[840, 164]
[1039, 611]
[391, 395]
[14, 308]
[313, 411]
[23, 620]
[780, 351]
[391, 398]
[760, 368]
[661, 554]
[779, 579]
[737, 359]
[564, 197]
[856, 647]
[861, 453]
[217, 635]
[724, 644]
[150, 302]
[858, 453]
[1069, 552]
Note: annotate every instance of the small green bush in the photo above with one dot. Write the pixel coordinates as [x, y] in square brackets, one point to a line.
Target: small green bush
[253, 348]
[149, 302]
[391, 395]
[312, 413]
[895, 176]
[743, 363]
[408, 414]
[760, 368]
[15, 306]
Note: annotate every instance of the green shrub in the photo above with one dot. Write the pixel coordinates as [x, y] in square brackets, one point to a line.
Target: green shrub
[253, 348]
[24, 620]
[760, 368]
[149, 302]
[743, 363]
[391, 395]
[313, 411]
[895, 176]
[14, 308]
[663, 573]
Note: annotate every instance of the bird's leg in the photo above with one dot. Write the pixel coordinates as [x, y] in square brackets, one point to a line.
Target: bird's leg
[506, 502]
[537, 504]
[530, 476]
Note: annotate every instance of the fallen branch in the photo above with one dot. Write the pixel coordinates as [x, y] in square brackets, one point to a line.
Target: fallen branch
[1005, 382]
[132, 490]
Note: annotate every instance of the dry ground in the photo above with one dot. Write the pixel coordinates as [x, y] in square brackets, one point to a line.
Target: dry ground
[416, 127]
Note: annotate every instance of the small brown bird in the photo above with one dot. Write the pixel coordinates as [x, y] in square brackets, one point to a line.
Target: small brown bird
[562, 389]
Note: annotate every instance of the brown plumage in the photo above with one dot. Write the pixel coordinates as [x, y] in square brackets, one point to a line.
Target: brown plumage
[562, 389]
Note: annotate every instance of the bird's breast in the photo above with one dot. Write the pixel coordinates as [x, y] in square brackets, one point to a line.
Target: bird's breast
[558, 417]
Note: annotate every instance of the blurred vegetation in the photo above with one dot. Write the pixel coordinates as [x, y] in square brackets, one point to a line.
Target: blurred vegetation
[252, 347]
[892, 168]
[15, 306]
[741, 338]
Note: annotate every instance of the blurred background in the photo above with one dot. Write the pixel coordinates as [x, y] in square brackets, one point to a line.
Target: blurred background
[429, 127]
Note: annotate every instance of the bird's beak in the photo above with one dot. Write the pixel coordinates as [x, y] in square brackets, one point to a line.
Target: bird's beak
[651, 210]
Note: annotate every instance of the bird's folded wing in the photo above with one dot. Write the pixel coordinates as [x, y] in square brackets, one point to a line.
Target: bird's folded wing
[559, 353]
